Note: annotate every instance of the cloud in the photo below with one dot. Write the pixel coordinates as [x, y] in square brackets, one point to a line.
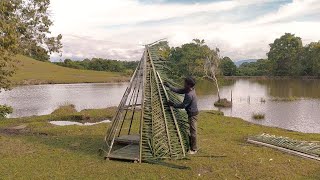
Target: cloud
[242, 29]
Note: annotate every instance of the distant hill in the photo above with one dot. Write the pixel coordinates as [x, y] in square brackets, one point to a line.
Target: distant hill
[238, 63]
[31, 71]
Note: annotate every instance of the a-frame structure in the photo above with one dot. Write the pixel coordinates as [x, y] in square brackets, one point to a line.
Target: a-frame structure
[144, 126]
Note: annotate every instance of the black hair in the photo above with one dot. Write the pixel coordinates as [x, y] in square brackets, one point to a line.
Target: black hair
[190, 81]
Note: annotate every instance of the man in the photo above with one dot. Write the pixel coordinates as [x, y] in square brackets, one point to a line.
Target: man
[190, 105]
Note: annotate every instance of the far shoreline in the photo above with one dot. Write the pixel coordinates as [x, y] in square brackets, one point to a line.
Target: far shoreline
[32, 82]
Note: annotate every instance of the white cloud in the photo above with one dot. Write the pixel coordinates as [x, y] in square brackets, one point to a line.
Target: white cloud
[116, 29]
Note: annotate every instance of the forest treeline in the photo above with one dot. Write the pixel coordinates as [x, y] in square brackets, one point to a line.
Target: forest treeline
[287, 57]
[99, 64]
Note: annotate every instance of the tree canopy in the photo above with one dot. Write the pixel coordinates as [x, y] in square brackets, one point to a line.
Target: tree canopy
[287, 57]
[227, 66]
[284, 55]
[24, 28]
[189, 59]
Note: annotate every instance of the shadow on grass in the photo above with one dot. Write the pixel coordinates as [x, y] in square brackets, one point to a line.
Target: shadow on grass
[77, 144]
[169, 165]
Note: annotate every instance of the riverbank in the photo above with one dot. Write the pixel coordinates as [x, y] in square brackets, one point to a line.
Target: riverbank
[33, 72]
[40, 150]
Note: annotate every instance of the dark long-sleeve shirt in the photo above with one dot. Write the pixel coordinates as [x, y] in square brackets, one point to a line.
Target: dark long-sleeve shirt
[190, 100]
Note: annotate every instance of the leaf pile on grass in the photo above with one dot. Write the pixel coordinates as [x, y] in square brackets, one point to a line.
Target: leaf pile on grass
[258, 116]
[223, 103]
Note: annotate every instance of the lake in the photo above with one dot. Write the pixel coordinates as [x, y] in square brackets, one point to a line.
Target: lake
[249, 96]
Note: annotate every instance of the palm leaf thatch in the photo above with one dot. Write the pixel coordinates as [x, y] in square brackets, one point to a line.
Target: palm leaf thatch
[163, 130]
[301, 148]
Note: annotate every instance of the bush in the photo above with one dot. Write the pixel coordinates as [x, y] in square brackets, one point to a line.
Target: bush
[65, 109]
[223, 103]
[258, 116]
[5, 110]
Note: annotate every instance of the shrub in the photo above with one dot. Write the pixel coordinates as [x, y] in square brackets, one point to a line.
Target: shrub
[5, 110]
[258, 116]
[223, 103]
[65, 109]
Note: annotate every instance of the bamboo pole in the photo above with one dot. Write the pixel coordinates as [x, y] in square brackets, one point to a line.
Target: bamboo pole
[117, 118]
[142, 102]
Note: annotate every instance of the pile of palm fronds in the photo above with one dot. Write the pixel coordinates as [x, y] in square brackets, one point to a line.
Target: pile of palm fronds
[310, 148]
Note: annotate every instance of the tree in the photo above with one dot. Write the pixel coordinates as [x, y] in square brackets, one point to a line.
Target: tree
[189, 59]
[284, 55]
[310, 59]
[211, 68]
[23, 24]
[227, 67]
[259, 68]
[37, 53]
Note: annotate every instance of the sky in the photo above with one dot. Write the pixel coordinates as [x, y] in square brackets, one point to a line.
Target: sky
[118, 29]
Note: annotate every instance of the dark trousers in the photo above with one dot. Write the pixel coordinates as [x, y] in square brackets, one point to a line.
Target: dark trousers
[193, 132]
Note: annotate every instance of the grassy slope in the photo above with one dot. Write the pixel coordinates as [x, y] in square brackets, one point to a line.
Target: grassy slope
[31, 71]
[47, 151]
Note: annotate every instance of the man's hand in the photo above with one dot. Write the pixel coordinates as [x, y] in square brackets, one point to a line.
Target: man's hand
[166, 84]
[170, 103]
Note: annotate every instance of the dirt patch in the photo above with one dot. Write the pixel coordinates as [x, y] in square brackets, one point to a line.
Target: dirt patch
[20, 130]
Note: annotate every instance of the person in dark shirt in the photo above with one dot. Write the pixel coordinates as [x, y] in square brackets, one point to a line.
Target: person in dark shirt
[190, 105]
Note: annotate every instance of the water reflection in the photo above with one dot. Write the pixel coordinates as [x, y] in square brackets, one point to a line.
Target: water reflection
[43, 99]
[300, 115]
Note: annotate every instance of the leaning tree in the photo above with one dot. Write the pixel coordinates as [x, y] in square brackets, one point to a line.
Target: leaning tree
[211, 68]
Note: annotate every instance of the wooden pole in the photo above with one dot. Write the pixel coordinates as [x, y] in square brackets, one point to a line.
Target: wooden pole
[142, 102]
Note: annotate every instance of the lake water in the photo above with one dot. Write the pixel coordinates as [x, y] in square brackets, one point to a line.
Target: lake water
[301, 115]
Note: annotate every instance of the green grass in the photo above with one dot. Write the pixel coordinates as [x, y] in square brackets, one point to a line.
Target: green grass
[31, 71]
[65, 109]
[45, 151]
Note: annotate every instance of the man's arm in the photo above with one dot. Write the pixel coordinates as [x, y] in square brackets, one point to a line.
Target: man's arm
[187, 100]
[174, 89]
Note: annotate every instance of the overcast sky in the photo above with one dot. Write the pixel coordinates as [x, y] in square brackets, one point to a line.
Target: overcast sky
[117, 29]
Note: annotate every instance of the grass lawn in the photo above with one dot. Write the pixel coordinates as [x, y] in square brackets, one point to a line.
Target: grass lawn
[45, 151]
[31, 71]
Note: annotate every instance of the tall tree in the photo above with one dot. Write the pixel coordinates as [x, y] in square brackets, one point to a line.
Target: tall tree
[211, 68]
[310, 58]
[23, 24]
[189, 59]
[284, 55]
[227, 67]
